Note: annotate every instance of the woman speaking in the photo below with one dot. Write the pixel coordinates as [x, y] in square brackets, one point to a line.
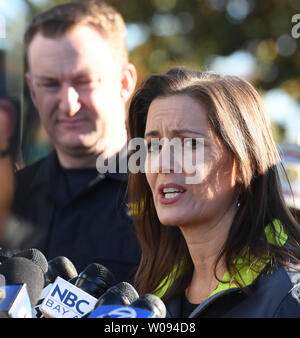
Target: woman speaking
[218, 240]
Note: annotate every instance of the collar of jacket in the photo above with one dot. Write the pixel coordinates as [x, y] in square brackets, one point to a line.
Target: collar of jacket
[49, 171]
[247, 274]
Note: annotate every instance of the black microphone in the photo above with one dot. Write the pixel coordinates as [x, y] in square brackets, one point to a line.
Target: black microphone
[60, 266]
[57, 267]
[35, 256]
[95, 279]
[5, 254]
[151, 303]
[91, 283]
[24, 283]
[119, 295]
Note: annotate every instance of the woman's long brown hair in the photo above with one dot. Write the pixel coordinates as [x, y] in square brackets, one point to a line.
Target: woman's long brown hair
[237, 117]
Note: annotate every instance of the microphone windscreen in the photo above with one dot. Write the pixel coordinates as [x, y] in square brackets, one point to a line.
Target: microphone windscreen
[95, 279]
[125, 289]
[151, 302]
[20, 270]
[99, 271]
[5, 254]
[61, 266]
[35, 256]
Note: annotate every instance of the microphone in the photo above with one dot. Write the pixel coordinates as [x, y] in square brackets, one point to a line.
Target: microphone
[151, 304]
[73, 280]
[38, 258]
[146, 306]
[5, 254]
[121, 294]
[95, 279]
[74, 300]
[24, 283]
[116, 297]
[66, 300]
[60, 266]
[35, 256]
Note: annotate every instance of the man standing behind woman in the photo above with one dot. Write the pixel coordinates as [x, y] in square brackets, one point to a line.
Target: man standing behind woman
[226, 246]
[80, 81]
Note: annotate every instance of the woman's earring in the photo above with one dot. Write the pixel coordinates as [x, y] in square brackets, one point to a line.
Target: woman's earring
[239, 198]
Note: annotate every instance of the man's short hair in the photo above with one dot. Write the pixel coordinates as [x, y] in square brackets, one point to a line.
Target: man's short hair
[60, 19]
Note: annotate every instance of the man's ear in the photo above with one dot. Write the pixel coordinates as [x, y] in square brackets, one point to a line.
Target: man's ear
[30, 86]
[129, 79]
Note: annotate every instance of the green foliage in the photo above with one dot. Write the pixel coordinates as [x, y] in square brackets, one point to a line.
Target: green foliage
[199, 29]
[191, 32]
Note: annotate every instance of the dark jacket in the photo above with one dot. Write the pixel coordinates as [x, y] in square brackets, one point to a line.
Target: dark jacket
[273, 295]
[92, 226]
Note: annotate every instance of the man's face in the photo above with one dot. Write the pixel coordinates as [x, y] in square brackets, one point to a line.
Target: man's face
[76, 85]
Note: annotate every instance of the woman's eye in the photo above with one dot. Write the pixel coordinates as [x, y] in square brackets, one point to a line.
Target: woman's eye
[153, 147]
[193, 143]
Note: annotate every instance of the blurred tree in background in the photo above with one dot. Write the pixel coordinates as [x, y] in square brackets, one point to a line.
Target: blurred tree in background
[249, 38]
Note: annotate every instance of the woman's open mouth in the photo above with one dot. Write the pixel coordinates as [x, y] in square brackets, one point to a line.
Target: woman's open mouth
[170, 193]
